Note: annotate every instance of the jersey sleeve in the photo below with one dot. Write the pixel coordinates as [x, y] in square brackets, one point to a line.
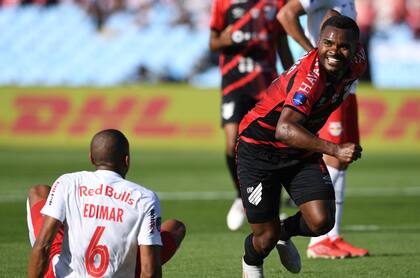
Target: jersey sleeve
[150, 227]
[55, 205]
[217, 17]
[304, 91]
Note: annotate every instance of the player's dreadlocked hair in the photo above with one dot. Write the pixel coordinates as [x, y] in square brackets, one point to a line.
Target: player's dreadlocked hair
[342, 22]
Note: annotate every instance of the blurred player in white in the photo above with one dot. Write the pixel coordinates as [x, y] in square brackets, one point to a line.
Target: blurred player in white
[342, 125]
[97, 224]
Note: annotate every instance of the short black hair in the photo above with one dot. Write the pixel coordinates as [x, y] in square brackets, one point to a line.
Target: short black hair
[109, 147]
[342, 22]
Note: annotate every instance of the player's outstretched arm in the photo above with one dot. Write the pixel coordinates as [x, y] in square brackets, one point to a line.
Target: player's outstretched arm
[289, 19]
[150, 261]
[38, 262]
[289, 130]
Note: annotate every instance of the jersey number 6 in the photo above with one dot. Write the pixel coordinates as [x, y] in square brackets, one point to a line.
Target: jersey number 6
[97, 250]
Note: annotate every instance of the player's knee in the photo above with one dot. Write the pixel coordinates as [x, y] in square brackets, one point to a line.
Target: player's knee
[176, 228]
[181, 231]
[266, 241]
[38, 192]
[321, 224]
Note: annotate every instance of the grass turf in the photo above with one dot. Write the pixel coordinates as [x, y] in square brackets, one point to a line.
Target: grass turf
[381, 212]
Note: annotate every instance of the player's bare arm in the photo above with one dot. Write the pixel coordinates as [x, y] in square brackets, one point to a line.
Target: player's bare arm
[289, 130]
[220, 40]
[289, 19]
[283, 49]
[38, 262]
[150, 261]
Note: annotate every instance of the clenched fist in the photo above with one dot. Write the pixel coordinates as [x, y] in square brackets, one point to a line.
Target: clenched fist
[348, 152]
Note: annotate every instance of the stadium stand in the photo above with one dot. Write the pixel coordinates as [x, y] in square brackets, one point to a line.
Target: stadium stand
[63, 45]
[60, 45]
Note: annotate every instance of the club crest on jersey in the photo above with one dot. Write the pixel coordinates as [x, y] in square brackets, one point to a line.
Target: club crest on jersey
[299, 98]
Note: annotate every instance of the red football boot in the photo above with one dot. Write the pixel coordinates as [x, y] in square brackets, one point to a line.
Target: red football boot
[326, 249]
[354, 251]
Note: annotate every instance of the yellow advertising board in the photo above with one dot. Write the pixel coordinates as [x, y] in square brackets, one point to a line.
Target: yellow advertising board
[173, 117]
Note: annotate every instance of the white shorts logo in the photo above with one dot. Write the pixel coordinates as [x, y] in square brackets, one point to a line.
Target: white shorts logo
[335, 128]
[227, 110]
[256, 195]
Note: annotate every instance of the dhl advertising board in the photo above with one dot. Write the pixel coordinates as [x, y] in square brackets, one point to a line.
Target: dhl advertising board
[174, 117]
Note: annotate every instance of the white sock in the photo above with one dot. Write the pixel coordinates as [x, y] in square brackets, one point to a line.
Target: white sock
[334, 174]
[339, 188]
[252, 271]
[29, 222]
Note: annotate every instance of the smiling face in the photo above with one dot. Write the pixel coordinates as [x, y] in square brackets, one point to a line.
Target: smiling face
[336, 48]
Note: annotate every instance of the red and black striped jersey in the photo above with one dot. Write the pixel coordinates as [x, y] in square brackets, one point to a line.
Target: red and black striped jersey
[304, 88]
[249, 65]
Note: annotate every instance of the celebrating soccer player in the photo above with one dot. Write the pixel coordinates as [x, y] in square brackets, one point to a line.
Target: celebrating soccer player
[278, 146]
[342, 126]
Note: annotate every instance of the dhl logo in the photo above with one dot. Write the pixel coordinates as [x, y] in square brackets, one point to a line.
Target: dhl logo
[174, 120]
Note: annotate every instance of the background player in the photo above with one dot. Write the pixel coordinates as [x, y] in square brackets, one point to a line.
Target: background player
[98, 223]
[247, 34]
[341, 127]
[278, 146]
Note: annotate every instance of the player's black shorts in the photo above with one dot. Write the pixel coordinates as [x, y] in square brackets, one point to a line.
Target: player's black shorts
[235, 106]
[262, 175]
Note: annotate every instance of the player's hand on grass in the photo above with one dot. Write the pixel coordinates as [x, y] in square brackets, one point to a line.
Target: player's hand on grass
[348, 152]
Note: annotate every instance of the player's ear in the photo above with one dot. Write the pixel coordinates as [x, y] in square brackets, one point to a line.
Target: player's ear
[91, 158]
[127, 160]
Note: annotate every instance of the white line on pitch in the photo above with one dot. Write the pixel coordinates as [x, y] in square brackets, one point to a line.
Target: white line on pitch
[370, 192]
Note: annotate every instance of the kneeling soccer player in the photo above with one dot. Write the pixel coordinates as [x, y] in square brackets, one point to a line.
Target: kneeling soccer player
[99, 224]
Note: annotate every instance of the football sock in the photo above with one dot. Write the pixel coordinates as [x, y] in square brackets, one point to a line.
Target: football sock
[252, 257]
[294, 226]
[334, 174]
[339, 188]
[231, 162]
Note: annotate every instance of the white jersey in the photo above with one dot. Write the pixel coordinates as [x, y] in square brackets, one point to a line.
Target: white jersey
[316, 10]
[105, 219]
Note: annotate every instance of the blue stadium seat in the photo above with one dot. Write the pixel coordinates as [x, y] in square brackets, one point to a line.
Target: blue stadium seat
[60, 45]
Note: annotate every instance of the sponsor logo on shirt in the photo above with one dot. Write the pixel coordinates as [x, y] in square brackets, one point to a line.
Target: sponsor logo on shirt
[52, 192]
[310, 79]
[155, 222]
[109, 191]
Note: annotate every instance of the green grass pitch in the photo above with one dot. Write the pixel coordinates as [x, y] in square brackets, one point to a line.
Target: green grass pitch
[382, 212]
